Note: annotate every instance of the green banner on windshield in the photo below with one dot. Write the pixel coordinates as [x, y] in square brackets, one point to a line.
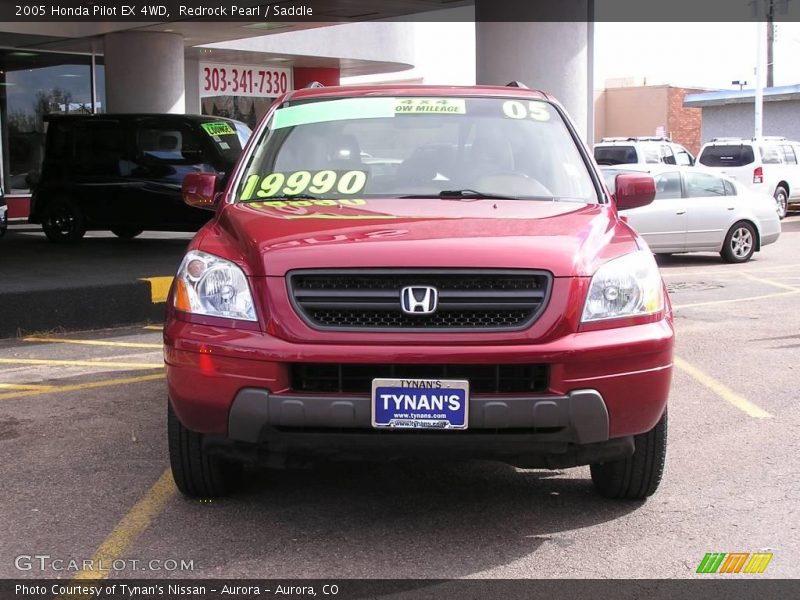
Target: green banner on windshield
[365, 108]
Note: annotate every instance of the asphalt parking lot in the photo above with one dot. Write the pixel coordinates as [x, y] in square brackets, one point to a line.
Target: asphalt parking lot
[82, 432]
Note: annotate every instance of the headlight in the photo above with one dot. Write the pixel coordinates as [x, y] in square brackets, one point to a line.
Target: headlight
[210, 285]
[624, 287]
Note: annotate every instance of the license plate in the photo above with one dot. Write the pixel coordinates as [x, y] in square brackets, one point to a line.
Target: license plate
[420, 403]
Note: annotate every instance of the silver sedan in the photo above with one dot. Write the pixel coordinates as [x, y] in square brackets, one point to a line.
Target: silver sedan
[695, 211]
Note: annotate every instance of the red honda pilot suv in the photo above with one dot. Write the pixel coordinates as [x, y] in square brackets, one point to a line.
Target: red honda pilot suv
[418, 271]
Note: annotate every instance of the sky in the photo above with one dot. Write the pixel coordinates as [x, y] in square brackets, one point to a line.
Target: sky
[704, 55]
[709, 55]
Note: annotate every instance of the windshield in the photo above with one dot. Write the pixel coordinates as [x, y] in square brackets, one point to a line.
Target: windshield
[727, 156]
[229, 137]
[372, 147]
[615, 155]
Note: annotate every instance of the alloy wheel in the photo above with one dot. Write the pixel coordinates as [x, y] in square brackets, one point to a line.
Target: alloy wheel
[741, 242]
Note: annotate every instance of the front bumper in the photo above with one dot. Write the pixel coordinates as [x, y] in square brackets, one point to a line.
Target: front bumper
[546, 431]
[578, 417]
[604, 384]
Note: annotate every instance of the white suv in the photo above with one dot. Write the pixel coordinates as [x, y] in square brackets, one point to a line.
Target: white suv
[767, 164]
[641, 151]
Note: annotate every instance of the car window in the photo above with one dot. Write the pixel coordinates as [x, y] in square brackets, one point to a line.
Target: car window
[615, 155]
[728, 155]
[667, 156]
[683, 158]
[668, 186]
[703, 185]
[227, 137]
[372, 147]
[651, 155]
[789, 157]
[168, 144]
[771, 155]
[730, 189]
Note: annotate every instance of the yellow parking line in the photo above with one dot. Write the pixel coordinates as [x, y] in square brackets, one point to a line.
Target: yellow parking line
[733, 271]
[80, 363]
[81, 386]
[91, 342]
[721, 390]
[730, 300]
[154, 327]
[159, 288]
[777, 284]
[132, 525]
[24, 386]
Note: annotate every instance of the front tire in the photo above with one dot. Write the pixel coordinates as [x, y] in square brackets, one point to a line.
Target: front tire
[197, 473]
[638, 476]
[740, 243]
[782, 199]
[63, 222]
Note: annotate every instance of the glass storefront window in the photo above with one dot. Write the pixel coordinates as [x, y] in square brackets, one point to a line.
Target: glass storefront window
[246, 109]
[32, 85]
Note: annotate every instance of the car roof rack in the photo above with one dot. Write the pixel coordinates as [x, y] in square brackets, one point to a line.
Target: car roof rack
[517, 84]
[313, 84]
[763, 138]
[643, 138]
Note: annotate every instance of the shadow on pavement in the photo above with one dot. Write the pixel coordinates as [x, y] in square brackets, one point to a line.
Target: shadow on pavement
[406, 519]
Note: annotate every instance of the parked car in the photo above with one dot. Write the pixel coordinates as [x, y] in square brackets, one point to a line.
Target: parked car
[641, 151]
[768, 165]
[483, 301]
[3, 213]
[124, 172]
[696, 211]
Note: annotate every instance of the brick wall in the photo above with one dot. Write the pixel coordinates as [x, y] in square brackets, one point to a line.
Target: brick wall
[684, 124]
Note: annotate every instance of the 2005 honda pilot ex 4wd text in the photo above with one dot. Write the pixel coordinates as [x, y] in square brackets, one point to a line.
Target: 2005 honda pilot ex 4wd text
[436, 272]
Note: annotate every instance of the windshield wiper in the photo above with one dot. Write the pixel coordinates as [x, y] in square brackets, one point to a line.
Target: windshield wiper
[462, 194]
[469, 193]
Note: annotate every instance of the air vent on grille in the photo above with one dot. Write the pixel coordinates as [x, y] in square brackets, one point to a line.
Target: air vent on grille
[357, 379]
[466, 299]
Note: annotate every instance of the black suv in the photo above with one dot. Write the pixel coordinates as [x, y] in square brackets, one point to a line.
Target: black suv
[124, 172]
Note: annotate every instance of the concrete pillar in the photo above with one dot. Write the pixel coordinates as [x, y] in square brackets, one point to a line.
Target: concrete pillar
[192, 71]
[550, 56]
[144, 72]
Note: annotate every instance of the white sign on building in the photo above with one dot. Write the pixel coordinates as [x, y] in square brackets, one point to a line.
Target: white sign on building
[259, 81]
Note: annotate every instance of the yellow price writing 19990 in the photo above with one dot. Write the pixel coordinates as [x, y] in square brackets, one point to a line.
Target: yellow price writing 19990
[298, 182]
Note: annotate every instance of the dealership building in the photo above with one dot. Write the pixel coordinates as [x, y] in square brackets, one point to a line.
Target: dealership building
[731, 113]
[236, 68]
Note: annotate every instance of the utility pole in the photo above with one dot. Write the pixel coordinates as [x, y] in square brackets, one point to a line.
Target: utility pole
[770, 42]
[759, 113]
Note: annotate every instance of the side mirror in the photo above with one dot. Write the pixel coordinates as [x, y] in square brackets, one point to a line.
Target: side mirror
[634, 190]
[200, 190]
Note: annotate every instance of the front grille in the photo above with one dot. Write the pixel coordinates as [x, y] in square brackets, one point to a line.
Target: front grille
[467, 299]
[326, 378]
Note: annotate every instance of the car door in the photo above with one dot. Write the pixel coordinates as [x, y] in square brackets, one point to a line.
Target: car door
[792, 170]
[167, 149]
[710, 207]
[97, 169]
[662, 223]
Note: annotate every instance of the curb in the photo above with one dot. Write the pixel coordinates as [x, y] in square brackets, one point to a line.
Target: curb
[93, 307]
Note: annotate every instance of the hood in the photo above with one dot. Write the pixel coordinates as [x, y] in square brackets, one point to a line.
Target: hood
[566, 238]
